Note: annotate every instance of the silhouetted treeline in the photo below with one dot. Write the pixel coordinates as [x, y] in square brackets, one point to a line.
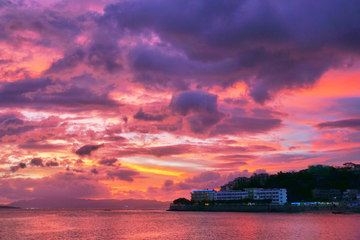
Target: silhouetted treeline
[299, 184]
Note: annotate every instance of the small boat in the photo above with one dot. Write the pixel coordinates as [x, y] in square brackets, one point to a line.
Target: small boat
[338, 212]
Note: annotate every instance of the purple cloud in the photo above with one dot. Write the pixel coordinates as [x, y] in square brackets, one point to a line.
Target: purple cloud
[52, 164]
[204, 177]
[239, 125]
[125, 175]
[140, 115]
[37, 162]
[87, 149]
[200, 109]
[347, 123]
[36, 93]
[108, 162]
[16, 168]
[238, 32]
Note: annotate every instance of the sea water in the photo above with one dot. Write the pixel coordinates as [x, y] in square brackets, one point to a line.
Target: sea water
[128, 224]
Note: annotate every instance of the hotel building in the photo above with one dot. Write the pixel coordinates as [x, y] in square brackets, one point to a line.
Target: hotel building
[278, 196]
[202, 195]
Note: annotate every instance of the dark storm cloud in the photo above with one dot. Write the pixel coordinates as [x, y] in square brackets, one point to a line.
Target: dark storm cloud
[45, 93]
[269, 45]
[87, 149]
[140, 115]
[125, 175]
[200, 109]
[108, 162]
[94, 171]
[37, 162]
[347, 123]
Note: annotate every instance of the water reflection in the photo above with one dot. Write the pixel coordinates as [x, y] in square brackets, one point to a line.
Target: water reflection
[100, 224]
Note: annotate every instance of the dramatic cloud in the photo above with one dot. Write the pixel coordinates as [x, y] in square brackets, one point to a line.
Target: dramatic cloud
[52, 164]
[108, 162]
[46, 93]
[168, 183]
[16, 131]
[37, 145]
[59, 185]
[184, 94]
[37, 162]
[200, 109]
[87, 149]
[234, 157]
[16, 168]
[204, 177]
[140, 115]
[238, 125]
[69, 62]
[287, 57]
[124, 175]
[347, 123]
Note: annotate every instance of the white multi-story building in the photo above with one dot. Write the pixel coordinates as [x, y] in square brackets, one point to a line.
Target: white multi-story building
[202, 195]
[231, 195]
[278, 196]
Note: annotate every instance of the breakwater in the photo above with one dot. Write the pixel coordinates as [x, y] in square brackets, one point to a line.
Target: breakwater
[259, 208]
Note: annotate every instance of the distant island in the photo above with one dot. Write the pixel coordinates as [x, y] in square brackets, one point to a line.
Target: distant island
[8, 207]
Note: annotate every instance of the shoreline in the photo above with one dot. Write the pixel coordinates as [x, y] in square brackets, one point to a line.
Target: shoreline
[263, 208]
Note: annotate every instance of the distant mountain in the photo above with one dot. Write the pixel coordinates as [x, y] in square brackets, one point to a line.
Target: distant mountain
[88, 203]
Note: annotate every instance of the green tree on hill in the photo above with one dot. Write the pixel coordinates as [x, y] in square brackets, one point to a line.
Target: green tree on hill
[182, 201]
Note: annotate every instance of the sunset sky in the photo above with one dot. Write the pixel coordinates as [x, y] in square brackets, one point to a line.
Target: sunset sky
[151, 99]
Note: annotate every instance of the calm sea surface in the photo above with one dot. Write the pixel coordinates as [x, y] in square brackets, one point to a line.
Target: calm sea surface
[118, 224]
